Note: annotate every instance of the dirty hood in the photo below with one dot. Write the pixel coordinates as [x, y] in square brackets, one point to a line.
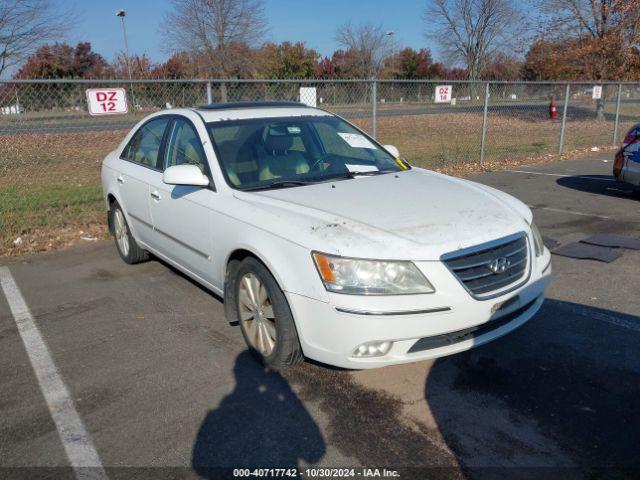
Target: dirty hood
[415, 214]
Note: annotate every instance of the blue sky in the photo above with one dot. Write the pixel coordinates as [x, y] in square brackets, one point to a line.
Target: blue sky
[310, 21]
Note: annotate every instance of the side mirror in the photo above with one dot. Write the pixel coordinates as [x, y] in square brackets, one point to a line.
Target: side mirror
[392, 150]
[184, 175]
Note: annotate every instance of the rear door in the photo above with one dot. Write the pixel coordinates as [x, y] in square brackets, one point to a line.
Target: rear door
[139, 166]
[182, 217]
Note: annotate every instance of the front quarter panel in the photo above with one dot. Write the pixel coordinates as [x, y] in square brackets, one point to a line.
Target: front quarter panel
[289, 262]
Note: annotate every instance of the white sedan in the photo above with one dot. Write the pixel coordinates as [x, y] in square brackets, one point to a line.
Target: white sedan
[323, 243]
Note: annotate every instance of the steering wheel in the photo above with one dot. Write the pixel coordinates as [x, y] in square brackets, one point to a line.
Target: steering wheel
[329, 158]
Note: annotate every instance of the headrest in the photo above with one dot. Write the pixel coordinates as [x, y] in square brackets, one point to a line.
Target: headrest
[278, 139]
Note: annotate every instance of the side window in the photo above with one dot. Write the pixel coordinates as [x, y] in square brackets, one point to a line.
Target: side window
[144, 146]
[184, 147]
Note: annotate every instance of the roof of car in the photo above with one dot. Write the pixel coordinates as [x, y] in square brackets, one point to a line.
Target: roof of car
[262, 109]
[262, 104]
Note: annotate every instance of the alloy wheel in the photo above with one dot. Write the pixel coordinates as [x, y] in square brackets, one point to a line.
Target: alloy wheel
[121, 232]
[256, 314]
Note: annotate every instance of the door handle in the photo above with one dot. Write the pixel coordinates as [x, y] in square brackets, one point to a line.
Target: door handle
[156, 196]
[120, 179]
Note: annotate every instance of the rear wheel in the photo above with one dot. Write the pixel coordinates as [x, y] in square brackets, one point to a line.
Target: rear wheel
[265, 318]
[127, 247]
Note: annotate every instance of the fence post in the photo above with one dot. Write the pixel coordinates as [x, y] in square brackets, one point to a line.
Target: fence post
[617, 122]
[209, 95]
[374, 98]
[484, 122]
[564, 118]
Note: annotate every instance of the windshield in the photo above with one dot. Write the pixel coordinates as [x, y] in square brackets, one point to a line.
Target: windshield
[290, 151]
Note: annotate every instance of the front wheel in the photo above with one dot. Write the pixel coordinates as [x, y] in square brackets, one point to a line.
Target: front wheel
[265, 318]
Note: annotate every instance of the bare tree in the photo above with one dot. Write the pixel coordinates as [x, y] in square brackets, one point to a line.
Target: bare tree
[24, 26]
[371, 43]
[471, 32]
[221, 30]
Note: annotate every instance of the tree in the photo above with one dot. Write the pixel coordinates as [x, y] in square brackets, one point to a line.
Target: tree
[605, 36]
[412, 64]
[370, 44]
[471, 32]
[223, 31]
[61, 60]
[24, 26]
[553, 60]
[325, 68]
[346, 64]
[288, 60]
[502, 67]
[455, 73]
[142, 68]
[89, 64]
[179, 65]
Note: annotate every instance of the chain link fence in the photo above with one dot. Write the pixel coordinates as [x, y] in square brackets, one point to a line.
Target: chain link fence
[51, 147]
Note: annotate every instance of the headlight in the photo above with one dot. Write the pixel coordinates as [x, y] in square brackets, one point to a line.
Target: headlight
[370, 277]
[537, 239]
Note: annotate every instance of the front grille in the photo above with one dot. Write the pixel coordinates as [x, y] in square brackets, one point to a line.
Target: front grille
[473, 268]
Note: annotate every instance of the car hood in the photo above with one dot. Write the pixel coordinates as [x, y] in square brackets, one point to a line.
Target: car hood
[415, 214]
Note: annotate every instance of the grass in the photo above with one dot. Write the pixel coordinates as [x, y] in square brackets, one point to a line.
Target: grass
[47, 201]
[50, 192]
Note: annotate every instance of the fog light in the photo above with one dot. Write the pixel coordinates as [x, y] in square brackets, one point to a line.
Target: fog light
[373, 349]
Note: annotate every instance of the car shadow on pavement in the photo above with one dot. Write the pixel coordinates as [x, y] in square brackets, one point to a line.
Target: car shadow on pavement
[600, 184]
[261, 424]
[556, 398]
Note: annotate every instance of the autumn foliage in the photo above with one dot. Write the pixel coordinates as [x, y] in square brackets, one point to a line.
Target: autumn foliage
[587, 40]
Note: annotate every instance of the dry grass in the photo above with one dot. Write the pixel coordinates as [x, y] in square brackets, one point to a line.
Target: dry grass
[448, 140]
[50, 193]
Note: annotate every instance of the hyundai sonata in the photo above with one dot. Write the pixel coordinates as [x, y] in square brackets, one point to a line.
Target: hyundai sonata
[323, 243]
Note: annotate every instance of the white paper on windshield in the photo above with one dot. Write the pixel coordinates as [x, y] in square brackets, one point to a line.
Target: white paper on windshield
[361, 168]
[356, 140]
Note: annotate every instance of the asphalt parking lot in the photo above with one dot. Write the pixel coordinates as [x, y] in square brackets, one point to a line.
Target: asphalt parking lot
[158, 378]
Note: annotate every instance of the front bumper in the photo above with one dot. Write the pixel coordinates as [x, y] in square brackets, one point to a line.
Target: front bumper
[420, 326]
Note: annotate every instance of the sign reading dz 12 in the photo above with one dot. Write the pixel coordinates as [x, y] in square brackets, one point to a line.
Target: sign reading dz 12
[107, 101]
[443, 93]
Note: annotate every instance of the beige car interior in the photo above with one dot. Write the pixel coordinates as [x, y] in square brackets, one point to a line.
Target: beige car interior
[272, 156]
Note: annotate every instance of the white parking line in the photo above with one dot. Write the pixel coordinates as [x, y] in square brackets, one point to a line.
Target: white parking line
[571, 212]
[586, 177]
[73, 435]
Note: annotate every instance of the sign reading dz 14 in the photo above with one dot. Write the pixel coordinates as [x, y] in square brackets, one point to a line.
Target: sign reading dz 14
[443, 93]
[107, 101]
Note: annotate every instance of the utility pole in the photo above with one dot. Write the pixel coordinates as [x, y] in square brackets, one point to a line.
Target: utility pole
[390, 34]
[121, 13]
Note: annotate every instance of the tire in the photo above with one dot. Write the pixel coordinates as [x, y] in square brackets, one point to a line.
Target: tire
[127, 247]
[264, 316]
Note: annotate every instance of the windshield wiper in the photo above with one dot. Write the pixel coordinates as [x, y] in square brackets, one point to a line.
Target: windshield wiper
[279, 184]
[298, 183]
[366, 173]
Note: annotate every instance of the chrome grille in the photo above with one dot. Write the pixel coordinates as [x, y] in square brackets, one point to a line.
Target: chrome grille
[484, 270]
